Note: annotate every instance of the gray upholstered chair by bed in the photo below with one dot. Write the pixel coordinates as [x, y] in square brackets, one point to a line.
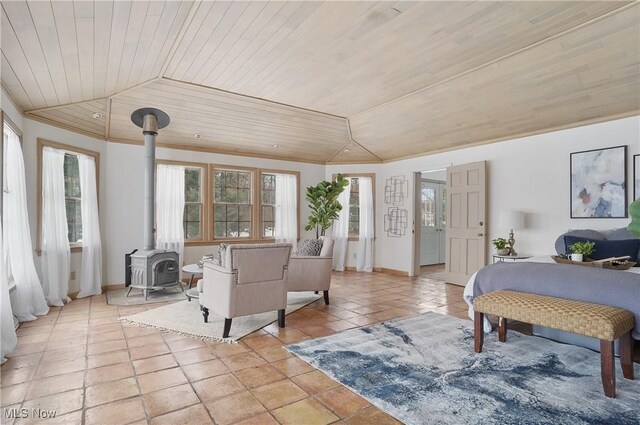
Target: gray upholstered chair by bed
[312, 273]
[252, 280]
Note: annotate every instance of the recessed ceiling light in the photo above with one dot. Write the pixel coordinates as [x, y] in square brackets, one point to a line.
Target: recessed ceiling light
[347, 150]
[276, 146]
[97, 115]
[197, 135]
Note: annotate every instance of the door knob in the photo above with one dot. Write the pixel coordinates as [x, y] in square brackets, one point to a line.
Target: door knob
[480, 234]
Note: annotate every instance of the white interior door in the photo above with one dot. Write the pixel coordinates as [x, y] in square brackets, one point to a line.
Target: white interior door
[466, 221]
[432, 240]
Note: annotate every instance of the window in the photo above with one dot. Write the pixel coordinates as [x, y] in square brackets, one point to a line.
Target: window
[428, 205]
[354, 208]
[268, 207]
[192, 219]
[232, 204]
[72, 192]
[72, 198]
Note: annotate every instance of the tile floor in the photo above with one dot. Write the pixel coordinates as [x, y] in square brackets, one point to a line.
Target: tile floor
[80, 361]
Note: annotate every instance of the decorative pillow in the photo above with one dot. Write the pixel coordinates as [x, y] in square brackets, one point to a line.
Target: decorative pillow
[582, 233]
[620, 234]
[309, 248]
[222, 254]
[606, 249]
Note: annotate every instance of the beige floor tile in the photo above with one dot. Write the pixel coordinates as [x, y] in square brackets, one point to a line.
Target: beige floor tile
[62, 403]
[116, 413]
[243, 361]
[106, 359]
[69, 353]
[60, 368]
[261, 419]
[170, 399]
[108, 373]
[142, 341]
[278, 394]
[307, 411]
[21, 361]
[17, 376]
[273, 353]
[198, 371]
[227, 350]
[235, 408]
[185, 344]
[342, 401]
[261, 341]
[106, 336]
[292, 366]
[218, 386]
[106, 347]
[161, 379]
[28, 349]
[372, 415]
[258, 376]
[111, 391]
[55, 384]
[314, 382]
[194, 415]
[148, 351]
[196, 355]
[13, 394]
[68, 419]
[152, 364]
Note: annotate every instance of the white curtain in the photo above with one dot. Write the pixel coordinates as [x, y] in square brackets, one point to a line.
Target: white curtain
[170, 208]
[55, 243]
[8, 338]
[91, 267]
[365, 241]
[341, 230]
[30, 301]
[286, 227]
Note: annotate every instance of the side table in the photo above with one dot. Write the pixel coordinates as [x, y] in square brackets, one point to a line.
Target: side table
[499, 258]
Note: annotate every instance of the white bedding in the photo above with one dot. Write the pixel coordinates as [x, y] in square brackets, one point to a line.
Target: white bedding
[468, 289]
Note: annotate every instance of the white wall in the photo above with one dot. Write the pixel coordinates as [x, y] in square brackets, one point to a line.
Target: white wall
[9, 108]
[530, 174]
[124, 197]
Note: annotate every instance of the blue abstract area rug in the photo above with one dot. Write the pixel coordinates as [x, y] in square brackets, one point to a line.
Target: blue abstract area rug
[423, 370]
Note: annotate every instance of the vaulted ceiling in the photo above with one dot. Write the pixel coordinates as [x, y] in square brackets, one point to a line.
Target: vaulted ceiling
[334, 82]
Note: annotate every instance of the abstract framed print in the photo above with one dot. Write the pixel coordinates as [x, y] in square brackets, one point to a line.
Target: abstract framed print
[636, 177]
[599, 183]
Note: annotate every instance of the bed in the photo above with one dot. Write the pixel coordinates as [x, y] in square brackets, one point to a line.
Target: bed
[541, 275]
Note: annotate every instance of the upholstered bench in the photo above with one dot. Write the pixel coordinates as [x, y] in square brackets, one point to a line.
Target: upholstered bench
[598, 321]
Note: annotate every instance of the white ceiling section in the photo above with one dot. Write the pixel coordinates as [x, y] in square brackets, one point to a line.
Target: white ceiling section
[339, 82]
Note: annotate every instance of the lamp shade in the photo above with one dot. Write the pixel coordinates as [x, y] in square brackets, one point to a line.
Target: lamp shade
[512, 220]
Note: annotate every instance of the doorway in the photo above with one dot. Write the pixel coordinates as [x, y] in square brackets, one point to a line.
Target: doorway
[433, 221]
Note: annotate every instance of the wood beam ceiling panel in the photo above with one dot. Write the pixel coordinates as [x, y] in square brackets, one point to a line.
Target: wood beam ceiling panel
[353, 153]
[230, 123]
[67, 52]
[348, 57]
[77, 117]
[586, 75]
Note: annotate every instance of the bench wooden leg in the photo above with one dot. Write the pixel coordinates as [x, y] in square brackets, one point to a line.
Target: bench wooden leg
[608, 368]
[502, 329]
[478, 331]
[626, 355]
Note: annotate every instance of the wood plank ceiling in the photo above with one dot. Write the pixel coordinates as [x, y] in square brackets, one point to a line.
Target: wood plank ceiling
[339, 82]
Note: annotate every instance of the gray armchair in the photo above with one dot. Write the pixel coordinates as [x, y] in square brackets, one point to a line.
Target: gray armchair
[253, 280]
[312, 273]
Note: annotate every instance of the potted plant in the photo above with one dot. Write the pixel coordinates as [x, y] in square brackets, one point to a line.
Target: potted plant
[501, 246]
[324, 205]
[580, 250]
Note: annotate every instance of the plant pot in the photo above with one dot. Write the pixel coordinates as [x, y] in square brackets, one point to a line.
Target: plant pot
[579, 258]
[504, 251]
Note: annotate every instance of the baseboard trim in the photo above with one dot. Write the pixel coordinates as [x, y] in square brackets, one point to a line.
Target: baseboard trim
[394, 272]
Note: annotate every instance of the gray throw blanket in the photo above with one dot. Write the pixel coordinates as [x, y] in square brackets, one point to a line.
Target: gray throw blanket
[599, 286]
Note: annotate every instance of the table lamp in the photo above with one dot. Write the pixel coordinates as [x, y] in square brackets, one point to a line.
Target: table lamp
[512, 220]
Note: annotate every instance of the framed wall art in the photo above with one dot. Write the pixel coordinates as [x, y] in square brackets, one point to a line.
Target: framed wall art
[599, 183]
[636, 177]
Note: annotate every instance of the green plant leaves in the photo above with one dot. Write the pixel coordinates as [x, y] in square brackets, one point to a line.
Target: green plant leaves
[323, 203]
